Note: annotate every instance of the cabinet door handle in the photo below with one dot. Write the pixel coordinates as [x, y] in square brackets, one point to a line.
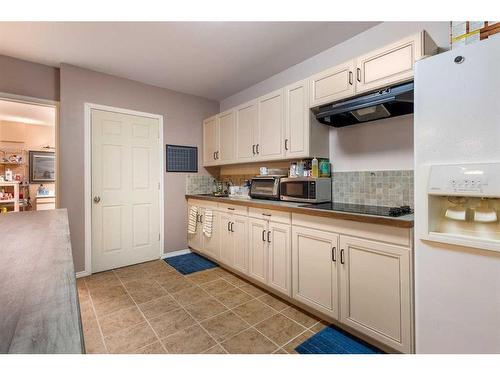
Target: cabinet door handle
[342, 256]
[230, 208]
[350, 77]
[257, 148]
[201, 219]
[268, 236]
[253, 149]
[334, 254]
[286, 144]
[232, 223]
[218, 155]
[214, 156]
[264, 235]
[266, 214]
[358, 74]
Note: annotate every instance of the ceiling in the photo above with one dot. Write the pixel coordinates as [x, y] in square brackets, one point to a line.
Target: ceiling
[27, 113]
[209, 59]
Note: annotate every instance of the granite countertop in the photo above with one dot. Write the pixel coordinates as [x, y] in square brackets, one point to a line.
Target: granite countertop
[405, 221]
[38, 297]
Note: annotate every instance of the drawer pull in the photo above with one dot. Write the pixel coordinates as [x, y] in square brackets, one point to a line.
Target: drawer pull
[266, 214]
[231, 208]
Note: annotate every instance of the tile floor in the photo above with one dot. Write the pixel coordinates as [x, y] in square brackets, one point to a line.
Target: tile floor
[150, 308]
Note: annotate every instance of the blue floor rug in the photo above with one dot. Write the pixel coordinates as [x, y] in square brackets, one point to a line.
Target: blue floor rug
[332, 340]
[190, 263]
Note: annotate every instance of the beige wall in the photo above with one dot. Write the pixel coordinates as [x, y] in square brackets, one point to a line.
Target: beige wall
[24, 78]
[183, 115]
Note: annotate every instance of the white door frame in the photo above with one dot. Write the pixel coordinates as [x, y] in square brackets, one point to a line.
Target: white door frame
[88, 177]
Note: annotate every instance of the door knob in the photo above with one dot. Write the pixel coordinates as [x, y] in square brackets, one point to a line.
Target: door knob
[97, 199]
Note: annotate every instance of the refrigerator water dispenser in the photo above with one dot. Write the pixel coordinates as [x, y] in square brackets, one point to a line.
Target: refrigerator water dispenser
[463, 205]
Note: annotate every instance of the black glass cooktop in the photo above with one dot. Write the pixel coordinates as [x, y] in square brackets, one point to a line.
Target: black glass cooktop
[362, 209]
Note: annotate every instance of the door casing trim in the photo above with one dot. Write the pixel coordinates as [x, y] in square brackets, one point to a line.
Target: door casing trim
[88, 176]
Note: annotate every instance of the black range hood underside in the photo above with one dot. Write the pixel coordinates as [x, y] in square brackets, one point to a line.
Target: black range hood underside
[390, 102]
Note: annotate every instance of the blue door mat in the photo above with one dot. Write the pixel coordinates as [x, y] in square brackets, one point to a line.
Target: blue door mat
[332, 340]
[190, 263]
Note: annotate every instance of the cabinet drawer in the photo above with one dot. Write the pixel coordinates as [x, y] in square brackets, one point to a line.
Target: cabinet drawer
[203, 204]
[272, 215]
[233, 208]
[378, 232]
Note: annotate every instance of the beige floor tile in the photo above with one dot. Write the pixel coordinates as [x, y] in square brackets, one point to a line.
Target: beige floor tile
[254, 311]
[281, 351]
[144, 290]
[130, 339]
[158, 306]
[252, 290]
[119, 320]
[86, 311]
[154, 348]
[90, 326]
[233, 279]
[233, 298]
[113, 305]
[102, 279]
[191, 340]
[217, 349]
[275, 302]
[249, 342]
[279, 328]
[171, 322]
[189, 296]
[176, 284]
[224, 326]
[94, 344]
[290, 347]
[203, 277]
[221, 271]
[319, 326]
[300, 316]
[217, 286]
[131, 273]
[104, 294]
[205, 309]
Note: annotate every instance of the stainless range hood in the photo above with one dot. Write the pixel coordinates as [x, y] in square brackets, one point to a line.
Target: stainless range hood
[390, 102]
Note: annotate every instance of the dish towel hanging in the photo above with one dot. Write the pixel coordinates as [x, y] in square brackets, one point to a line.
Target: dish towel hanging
[207, 224]
[193, 219]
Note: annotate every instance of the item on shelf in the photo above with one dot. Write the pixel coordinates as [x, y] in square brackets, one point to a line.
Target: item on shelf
[3, 210]
[300, 169]
[42, 190]
[263, 171]
[8, 175]
[293, 169]
[324, 168]
[315, 168]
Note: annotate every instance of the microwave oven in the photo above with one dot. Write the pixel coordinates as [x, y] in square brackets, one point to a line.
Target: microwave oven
[306, 189]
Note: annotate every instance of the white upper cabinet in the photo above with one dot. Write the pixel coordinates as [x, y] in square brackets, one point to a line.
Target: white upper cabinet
[297, 120]
[332, 84]
[393, 63]
[227, 137]
[271, 120]
[247, 131]
[210, 140]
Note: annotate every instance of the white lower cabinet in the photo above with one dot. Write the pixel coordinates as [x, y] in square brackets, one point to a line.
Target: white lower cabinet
[269, 253]
[314, 269]
[233, 237]
[375, 290]
[195, 240]
[211, 245]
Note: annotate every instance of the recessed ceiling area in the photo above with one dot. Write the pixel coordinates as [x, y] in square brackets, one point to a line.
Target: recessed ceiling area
[209, 59]
[27, 113]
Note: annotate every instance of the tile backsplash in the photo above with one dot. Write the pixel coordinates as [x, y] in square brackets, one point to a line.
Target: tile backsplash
[381, 188]
[199, 184]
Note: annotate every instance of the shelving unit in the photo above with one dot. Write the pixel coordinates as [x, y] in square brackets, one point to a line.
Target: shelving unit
[17, 168]
[15, 187]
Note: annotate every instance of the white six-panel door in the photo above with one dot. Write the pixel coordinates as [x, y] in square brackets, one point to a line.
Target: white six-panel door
[125, 190]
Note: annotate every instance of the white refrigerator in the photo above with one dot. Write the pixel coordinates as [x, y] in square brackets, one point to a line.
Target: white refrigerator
[457, 120]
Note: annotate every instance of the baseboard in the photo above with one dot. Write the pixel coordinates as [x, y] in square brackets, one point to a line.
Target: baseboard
[175, 253]
[82, 274]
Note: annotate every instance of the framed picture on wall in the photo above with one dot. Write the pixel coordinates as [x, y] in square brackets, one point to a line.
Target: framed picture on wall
[42, 166]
